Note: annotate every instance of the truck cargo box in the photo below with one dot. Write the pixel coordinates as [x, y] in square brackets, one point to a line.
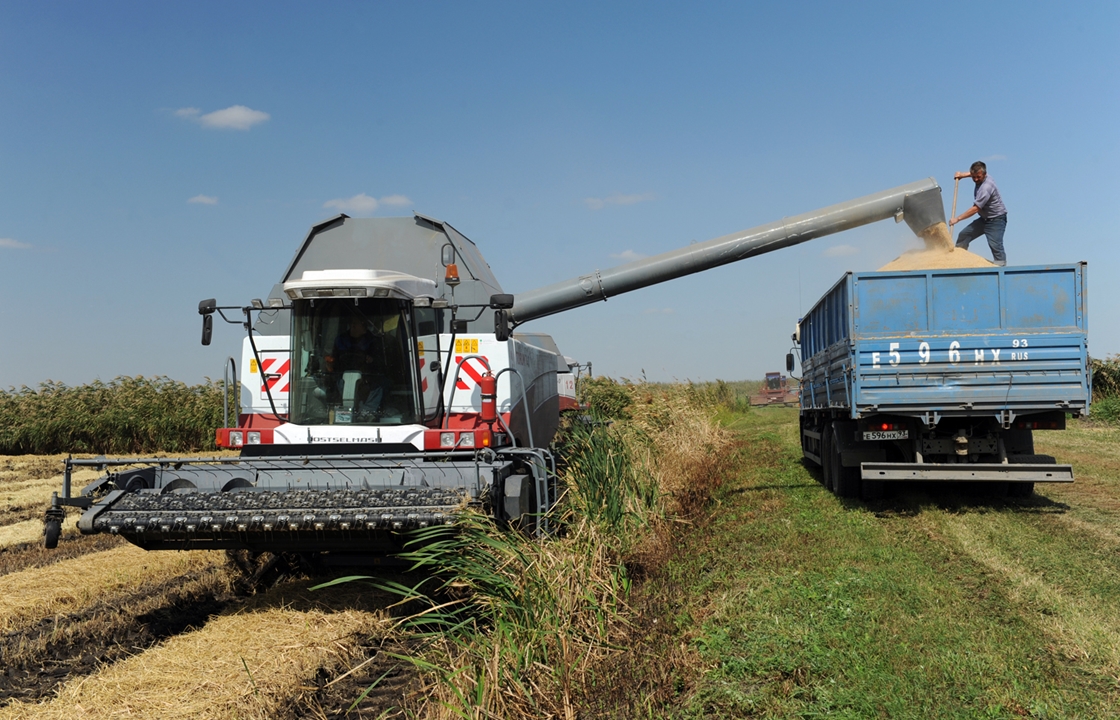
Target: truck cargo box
[934, 343]
[943, 375]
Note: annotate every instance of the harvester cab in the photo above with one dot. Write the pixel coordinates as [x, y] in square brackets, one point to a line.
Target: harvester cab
[385, 385]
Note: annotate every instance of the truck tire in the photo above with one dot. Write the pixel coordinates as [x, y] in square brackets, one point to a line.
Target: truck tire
[872, 489]
[1026, 489]
[845, 480]
[826, 458]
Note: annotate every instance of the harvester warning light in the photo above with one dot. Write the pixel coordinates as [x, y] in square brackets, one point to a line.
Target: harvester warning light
[466, 346]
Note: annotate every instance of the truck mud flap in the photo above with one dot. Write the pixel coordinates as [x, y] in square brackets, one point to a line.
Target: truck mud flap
[966, 472]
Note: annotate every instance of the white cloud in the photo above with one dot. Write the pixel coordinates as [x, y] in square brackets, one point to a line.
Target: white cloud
[13, 244]
[362, 204]
[618, 199]
[395, 200]
[627, 256]
[204, 200]
[235, 117]
[841, 251]
[358, 205]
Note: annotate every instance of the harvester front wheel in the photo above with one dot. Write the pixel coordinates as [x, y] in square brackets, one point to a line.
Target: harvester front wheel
[52, 531]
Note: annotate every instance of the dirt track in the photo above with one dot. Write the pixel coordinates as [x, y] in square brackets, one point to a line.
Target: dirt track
[98, 628]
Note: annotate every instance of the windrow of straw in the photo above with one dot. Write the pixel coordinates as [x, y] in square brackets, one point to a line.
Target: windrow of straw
[125, 415]
[68, 586]
[521, 628]
[25, 532]
[246, 665]
[23, 499]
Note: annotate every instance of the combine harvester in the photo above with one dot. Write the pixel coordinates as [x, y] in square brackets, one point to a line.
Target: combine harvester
[775, 390]
[385, 389]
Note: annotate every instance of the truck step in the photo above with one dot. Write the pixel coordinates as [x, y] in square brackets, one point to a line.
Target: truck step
[970, 472]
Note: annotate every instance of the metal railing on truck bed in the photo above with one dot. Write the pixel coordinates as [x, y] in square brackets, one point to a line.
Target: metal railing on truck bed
[945, 374]
[1002, 341]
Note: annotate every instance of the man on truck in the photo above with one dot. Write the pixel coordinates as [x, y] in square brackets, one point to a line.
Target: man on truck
[993, 215]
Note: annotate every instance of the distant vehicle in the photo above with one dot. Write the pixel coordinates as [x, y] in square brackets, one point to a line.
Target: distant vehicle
[775, 391]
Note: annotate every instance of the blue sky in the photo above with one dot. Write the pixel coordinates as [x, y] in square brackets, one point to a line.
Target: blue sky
[154, 154]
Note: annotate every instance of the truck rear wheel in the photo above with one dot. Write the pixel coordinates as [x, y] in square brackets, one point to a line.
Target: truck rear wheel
[1026, 489]
[872, 489]
[845, 481]
[826, 457]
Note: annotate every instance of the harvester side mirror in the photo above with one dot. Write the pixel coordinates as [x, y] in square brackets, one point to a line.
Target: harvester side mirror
[206, 309]
[789, 363]
[501, 325]
[501, 301]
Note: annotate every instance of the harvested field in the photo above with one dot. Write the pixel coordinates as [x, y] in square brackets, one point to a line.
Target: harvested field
[24, 556]
[72, 585]
[245, 664]
[100, 628]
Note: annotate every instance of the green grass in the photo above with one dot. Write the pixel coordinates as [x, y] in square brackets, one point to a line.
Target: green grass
[800, 605]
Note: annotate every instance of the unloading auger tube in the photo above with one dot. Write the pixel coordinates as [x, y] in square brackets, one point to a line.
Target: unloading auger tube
[918, 203]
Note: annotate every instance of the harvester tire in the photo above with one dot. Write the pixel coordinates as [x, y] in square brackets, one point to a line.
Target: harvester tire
[52, 531]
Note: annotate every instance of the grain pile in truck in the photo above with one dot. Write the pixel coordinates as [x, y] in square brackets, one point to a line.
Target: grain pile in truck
[938, 252]
[388, 388]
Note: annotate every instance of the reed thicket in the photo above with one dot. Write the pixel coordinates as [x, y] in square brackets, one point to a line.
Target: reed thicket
[125, 415]
[1106, 389]
[515, 627]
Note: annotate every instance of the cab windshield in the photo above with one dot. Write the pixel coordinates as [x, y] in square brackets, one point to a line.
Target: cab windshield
[352, 363]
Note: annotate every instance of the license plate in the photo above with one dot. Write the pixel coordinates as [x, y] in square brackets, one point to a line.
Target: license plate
[886, 435]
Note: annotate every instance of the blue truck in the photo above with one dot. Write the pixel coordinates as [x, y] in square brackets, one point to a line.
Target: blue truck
[942, 375]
